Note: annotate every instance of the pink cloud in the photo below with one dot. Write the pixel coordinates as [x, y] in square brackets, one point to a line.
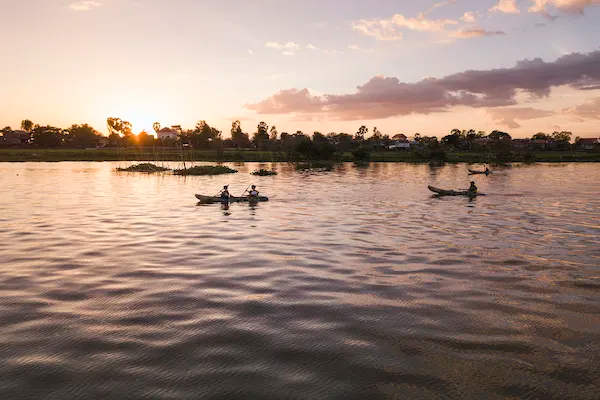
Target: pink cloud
[383, 97]
[575, 6]
[506, 6]
[507, 116]
[474, 32]
[389, 29]
[588, 110]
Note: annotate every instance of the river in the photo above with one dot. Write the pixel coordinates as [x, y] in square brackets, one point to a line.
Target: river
[352, 283]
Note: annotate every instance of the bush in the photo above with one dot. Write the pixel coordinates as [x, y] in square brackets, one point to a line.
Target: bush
[143, 167]
[205, 170]
[264, 172]
[361, 154]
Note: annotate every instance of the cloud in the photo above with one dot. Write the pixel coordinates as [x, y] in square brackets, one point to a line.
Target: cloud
[287, 49]
[506, 6]
[84, 5]
[289, 101]
[284, 46]
[468, 17]
[358, 48]
[508, 116]
[250, 52]
[311, 47]
[474, 32]
[572, 6]
[383, 97]
[389, 29]
[435, 6]
[588, 110]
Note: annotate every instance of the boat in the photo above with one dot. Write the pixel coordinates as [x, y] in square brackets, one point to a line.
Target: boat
[444, 192]
[232, 199]
[472, 172]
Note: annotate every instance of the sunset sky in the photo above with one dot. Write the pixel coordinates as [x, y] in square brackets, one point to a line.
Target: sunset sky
[314, 65]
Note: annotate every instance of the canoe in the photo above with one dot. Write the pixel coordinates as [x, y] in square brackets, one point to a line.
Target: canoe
[443, 192]
[232, 199]
[471, 172]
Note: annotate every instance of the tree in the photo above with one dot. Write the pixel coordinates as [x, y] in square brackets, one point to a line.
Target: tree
[562, 139]
[27, 125]
[156, 127]
[203, 136]
[114, 125]
[360, 135]
[453, 139]
[82, 136]
[47, 136]
[499, 135]
[376, 138]
[273, 135]
[261, 137]
[564, 136]
[541, 136]
[239, 138]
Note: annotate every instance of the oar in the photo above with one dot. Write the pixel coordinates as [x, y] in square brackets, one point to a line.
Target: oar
[220, 191]
[246, 190]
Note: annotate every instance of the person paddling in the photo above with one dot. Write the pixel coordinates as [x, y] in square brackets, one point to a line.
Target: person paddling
[253, 192]
[472, 189]
[487, 170]
[224, 193]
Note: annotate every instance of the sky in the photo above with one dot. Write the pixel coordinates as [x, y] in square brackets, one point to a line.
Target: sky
[403, 66]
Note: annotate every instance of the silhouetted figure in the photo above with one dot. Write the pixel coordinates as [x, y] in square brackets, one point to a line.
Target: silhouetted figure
[253, 192]
[224, 193]
[472, 189]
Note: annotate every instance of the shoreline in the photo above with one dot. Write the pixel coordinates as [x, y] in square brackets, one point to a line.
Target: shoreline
[101, 155]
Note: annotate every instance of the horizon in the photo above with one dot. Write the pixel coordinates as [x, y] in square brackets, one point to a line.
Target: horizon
[314, 67]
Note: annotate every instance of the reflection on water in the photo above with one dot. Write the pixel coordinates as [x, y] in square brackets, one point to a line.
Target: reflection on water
[352, 283]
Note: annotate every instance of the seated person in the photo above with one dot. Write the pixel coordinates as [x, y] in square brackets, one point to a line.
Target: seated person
[224, 193]
[253, 192]
[472, 189]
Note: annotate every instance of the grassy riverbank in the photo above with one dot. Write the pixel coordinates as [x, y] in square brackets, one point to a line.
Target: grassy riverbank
[53, 155]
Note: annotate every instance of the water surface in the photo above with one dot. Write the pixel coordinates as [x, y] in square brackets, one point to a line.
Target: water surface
[354, 283]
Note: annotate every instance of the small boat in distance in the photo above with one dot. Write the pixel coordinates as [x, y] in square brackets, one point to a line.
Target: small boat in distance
[444, 192]
[217, 199]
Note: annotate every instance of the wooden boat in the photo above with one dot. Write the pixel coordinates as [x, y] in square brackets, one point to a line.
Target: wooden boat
[232, 199]
[472, 172]
[443, 192]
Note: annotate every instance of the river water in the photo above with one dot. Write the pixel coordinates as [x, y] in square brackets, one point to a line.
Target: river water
[353, 283]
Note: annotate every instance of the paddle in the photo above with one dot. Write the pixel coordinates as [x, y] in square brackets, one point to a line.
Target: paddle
[246, 190]
[219, 192]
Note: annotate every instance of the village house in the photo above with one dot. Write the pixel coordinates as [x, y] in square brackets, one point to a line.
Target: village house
[587, 143]
[167, 133]
[16, 138]
[399, 142]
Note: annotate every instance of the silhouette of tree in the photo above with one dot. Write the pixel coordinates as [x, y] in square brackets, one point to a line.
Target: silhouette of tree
[261, 137]
[360, 135]
[47, 136]
[156, 127]
[239, 138]
[499, 135]
[541, 136]
[82, 136]
[27, 125]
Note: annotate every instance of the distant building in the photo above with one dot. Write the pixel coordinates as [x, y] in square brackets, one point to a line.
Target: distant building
[399, 142]
[15, 138]
[167, 133]
[521, 143]
[103, 141]
[587, 143]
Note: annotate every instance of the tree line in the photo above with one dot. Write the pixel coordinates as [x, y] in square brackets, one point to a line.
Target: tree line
[265, 138]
